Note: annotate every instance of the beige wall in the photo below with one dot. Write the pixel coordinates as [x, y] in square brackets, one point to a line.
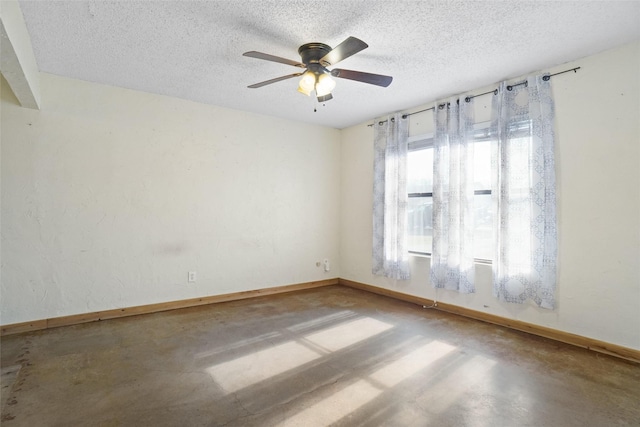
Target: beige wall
[110, 197]
[598, 174]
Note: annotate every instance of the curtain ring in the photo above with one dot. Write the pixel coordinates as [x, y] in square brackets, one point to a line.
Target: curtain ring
[526, 83]
[467, 99]
[546, 78]
[495, 92]
[393, 119]
[509, 87]
[380, 123]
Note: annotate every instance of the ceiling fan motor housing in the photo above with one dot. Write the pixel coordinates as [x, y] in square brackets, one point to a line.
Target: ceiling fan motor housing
[311, 53]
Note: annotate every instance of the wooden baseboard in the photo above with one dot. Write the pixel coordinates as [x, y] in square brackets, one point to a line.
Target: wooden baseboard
[542, 331]
[55, 322]
[565, 337]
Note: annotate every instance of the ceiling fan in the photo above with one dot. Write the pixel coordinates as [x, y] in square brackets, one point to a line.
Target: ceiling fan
[316, 57]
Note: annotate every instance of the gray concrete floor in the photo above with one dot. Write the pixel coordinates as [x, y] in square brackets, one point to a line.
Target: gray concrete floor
[329, 356]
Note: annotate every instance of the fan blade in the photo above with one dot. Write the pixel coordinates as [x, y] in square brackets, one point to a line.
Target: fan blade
[277, 79]
[349, 47]
[359, 76]
[267, 57]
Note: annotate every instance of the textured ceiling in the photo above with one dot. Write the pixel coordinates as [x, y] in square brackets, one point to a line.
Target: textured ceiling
[193, 49]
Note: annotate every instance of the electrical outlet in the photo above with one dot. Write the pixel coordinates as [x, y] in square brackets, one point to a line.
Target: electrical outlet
[192, 276]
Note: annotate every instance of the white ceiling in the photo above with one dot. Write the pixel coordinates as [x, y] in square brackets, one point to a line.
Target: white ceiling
[193, 49]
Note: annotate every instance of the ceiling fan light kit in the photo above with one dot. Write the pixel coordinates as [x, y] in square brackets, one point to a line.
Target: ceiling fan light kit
[316, 57]
[324, 85]
[307, 83]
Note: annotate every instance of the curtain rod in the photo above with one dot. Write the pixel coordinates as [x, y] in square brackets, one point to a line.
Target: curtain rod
[495, 92]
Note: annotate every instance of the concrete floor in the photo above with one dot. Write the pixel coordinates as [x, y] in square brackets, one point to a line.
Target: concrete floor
[329, 356]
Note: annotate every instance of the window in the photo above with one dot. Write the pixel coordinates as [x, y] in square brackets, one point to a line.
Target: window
[420, 201]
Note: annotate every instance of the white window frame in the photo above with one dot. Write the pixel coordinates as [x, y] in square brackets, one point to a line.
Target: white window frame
[423, 141]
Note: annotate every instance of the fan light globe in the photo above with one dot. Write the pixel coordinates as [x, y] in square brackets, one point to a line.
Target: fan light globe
[307, 83]
[325, 85]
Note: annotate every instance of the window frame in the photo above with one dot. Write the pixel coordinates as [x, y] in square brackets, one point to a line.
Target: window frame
[481, 133]
[415, 143]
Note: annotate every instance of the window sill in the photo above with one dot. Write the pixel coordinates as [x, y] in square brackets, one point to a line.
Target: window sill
[427, 255]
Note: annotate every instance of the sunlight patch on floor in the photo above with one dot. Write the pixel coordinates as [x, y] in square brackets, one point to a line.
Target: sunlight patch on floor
[353, 396]
[261, 365]
[346, 334]
[403, 368]
[336, 406]
[444, 393]
[239, 344]
[323, 320]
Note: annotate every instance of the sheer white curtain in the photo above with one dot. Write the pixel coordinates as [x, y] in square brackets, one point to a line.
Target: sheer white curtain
[523, 192]
[452, 263]
[390, 256]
